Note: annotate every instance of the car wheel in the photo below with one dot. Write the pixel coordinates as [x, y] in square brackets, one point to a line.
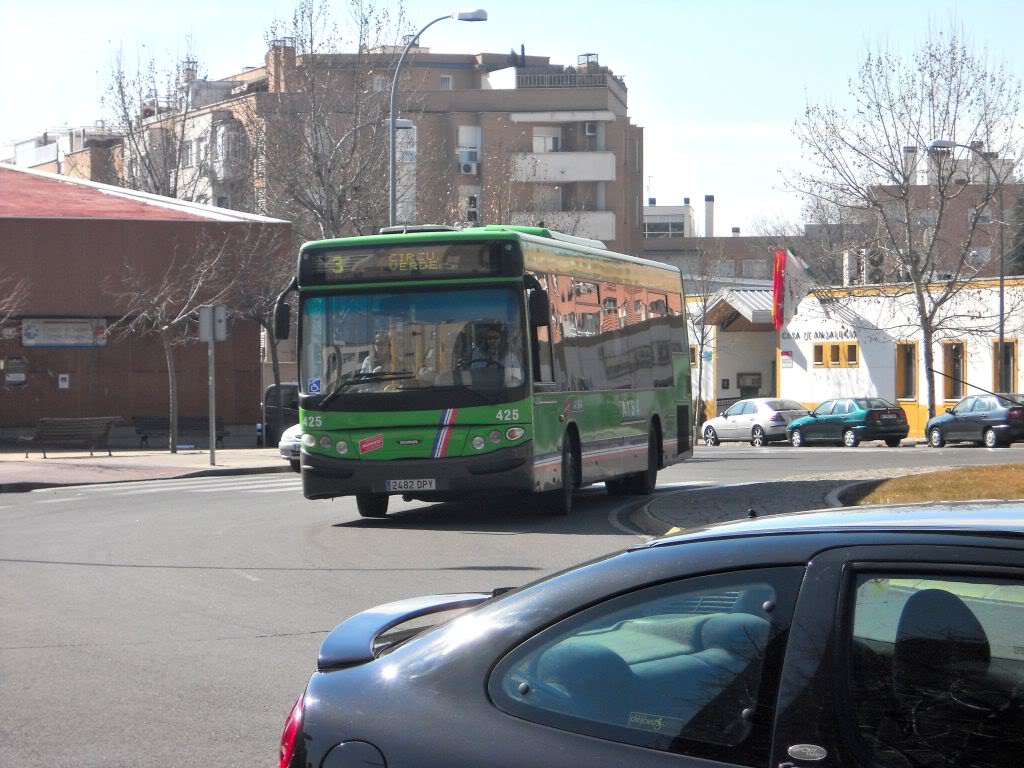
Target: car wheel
[559, 503]
[758, 439]
[644, 483]
[850, 439]
[710, 437]
[990, 439]
[372, 504]
[296, 466]
[796, 439]
[935, 438]
[893, 442]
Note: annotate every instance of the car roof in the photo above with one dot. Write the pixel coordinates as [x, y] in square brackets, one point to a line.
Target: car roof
[1006, 518]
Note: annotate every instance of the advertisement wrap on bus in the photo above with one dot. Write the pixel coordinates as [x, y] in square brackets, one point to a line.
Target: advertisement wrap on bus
[441, 364]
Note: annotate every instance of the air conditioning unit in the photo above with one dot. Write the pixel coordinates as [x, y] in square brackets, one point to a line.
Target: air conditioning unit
[468, 169]
[590, 129]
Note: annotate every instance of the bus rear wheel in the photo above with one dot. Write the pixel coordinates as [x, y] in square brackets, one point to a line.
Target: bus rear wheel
[372, 504]
[643, 483]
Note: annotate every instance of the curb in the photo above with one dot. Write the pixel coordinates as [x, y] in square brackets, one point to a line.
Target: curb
[25, 487]
[648, 523]
[834, 497]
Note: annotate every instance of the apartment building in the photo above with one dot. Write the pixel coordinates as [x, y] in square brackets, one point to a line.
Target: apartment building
[85, 152]
[494, 138]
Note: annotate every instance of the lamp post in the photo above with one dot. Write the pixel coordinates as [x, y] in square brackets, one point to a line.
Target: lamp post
[475, 15]
[1001, 383]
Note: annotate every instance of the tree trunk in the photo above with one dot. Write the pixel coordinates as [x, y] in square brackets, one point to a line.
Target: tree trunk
[700, 389]
[929, 365]
[172, 390]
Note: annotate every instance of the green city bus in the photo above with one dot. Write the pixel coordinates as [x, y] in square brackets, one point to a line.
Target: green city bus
[440, 364]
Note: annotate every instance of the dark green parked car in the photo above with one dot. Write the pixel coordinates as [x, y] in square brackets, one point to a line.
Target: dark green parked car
[850, 420]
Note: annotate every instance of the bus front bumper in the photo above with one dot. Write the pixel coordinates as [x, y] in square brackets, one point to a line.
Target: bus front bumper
[496, 473]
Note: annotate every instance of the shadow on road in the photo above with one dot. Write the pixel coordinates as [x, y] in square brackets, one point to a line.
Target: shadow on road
[506, 517]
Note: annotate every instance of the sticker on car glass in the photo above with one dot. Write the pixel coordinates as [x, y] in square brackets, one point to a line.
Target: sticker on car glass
[656, 723]
[809, 752]
[313, 386]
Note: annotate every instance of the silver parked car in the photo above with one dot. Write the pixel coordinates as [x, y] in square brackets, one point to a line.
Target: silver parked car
[758, 421]
[291, 440]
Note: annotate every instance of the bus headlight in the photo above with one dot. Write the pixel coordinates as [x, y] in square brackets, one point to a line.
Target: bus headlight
[341, 447]
[309, 440]
[478, 443]
[495, 436]
[514, 433]
[325, 442]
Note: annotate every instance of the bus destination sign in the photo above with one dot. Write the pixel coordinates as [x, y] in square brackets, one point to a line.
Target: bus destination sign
[408, 262]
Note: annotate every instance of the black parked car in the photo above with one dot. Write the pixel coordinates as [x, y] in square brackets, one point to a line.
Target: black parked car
[990, 420]
[886, 636]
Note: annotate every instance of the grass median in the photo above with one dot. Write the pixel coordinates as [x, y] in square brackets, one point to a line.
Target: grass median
[996, 481]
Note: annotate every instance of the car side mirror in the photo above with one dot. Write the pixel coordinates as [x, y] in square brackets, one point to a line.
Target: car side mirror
[949, 411]
[282, 320]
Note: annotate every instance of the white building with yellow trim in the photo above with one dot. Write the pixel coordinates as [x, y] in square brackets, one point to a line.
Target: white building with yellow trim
[859, 341]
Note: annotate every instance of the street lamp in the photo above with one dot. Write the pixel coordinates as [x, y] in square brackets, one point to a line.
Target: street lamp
[478, 14]
[1001, 383]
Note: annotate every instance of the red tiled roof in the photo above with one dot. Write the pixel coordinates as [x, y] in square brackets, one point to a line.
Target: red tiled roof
[28, 195]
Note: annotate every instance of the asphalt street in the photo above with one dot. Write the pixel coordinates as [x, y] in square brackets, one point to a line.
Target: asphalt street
[173, 622]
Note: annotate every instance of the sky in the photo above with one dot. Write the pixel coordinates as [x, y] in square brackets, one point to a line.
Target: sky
[717, 85]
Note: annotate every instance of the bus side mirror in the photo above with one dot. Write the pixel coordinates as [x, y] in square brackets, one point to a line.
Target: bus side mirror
[540, 308]
[282, 320]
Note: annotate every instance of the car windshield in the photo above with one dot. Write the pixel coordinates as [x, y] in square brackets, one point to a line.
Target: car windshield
[388, 342]
[867, 403]
[784, 405]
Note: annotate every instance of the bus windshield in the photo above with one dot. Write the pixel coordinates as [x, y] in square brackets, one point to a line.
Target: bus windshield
[385, 343]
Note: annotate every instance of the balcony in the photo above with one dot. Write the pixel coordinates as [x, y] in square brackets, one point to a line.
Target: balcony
[599, 225]
[527, 79]
[563, 167]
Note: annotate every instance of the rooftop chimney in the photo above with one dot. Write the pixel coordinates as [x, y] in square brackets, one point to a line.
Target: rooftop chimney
[686, 201]
[709, 215]
[652, 201]
[910, 163]
[735, 231]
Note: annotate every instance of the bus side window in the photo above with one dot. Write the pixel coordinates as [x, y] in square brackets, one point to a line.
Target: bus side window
[541, 343]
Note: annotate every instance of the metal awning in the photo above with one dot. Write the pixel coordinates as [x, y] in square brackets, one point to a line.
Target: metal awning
[753, 305]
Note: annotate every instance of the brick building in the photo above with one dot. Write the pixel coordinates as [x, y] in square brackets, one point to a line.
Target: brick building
[70, 241]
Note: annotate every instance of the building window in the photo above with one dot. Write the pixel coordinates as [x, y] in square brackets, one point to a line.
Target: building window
[379, 83]
[222, 201]
[186, 154]
[547, 139]
[843, 355]
[693, 356]
[446, 82]
[1009, 378]
[755, 268]
[658, 229]
[953, 358]
[906, 371]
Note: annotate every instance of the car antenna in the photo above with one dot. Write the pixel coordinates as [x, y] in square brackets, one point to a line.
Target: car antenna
[751, 513]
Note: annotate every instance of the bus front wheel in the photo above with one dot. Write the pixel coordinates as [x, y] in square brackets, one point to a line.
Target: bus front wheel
[559, 503]
[372, 504]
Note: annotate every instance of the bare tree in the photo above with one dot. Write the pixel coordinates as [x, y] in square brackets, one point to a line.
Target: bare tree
[13, 295]
[702, 277]
[164, 305]
[151, 106]
[866, 159]
[320, 131]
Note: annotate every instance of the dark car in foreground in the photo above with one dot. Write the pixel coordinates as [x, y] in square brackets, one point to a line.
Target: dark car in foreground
[993, 421]
[850, 421]
[885, 636]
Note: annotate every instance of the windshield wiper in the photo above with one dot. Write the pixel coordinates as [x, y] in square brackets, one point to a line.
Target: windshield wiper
[362, 377]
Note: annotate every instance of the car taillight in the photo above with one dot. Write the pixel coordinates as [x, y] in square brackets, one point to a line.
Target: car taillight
[777, 418]
[901, 414]
[290, 733]
[1016, 413]
[874, 415]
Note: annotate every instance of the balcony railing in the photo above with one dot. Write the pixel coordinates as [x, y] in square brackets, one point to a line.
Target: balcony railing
[525, 79]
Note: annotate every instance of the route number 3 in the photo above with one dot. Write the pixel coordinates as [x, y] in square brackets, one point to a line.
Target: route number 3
[314, 421]
[507, 414]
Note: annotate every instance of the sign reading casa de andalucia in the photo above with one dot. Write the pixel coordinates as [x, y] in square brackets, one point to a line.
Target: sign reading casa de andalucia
[64, 332]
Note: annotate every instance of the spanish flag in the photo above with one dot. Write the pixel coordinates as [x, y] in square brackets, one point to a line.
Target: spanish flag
[778, 288]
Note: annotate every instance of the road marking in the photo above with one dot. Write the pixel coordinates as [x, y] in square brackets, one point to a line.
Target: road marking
[57, 501]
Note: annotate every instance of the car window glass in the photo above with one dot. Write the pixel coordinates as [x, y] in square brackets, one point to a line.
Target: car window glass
[784, 405]
[964, 405]
[982, 404]
[842, 408]
[824, 409]
[937, 671]
[733, 409]
[672, 667]
[748, 407]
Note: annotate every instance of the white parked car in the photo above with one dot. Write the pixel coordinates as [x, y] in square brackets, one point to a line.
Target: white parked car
[759, 421]
[291, 440]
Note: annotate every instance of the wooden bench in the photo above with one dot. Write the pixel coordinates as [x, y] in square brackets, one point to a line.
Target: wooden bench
[187, 425]
[92, 432]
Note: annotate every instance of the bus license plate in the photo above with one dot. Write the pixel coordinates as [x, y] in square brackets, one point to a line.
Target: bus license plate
[412, 485]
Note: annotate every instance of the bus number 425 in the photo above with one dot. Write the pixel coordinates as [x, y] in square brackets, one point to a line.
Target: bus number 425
[507, 414]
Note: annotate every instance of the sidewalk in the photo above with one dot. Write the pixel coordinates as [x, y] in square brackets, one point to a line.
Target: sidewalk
[673, 510]
[18, 474]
